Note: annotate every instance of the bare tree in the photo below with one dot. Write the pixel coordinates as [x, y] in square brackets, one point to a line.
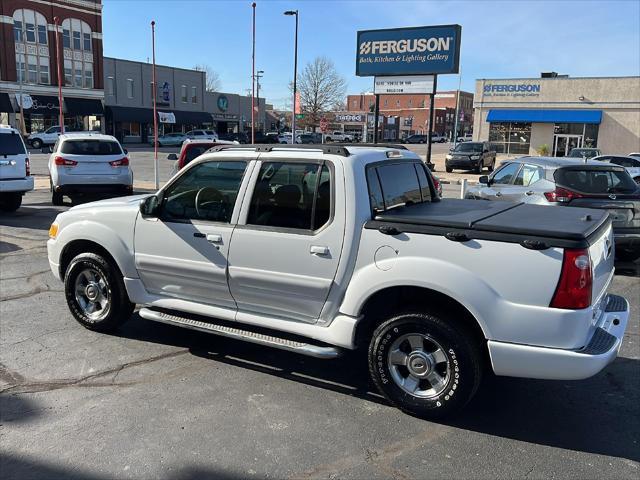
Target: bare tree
[321, 88]
[213, 83]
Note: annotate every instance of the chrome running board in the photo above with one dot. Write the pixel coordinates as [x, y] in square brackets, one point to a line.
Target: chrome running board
[318, 351]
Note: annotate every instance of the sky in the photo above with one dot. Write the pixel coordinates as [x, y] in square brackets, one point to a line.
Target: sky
[500, 38]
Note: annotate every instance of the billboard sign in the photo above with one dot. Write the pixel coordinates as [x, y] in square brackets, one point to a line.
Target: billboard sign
[408, 51]
[404, 84]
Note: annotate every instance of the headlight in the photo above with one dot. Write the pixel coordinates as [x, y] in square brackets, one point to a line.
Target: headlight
[448, 157]
[475, 157]
[53, 230]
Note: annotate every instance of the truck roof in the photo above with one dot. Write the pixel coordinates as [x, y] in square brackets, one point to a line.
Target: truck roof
[343, 150]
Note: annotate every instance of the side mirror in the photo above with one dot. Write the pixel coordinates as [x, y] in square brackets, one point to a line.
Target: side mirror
[126, 152]
[149, 206]
[484, 179]
[172, 156]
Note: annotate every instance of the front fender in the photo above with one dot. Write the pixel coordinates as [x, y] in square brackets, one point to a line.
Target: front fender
[460, 284]
[121, 249]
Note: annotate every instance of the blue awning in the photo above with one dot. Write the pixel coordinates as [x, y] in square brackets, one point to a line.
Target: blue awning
[545, 116]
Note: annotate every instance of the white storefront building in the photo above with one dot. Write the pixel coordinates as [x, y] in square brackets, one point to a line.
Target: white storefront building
[520, 116]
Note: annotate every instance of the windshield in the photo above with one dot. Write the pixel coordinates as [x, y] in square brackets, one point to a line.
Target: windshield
[469, 147]
[583, 153]
[10, 144]
[91, 147]
[600, 181]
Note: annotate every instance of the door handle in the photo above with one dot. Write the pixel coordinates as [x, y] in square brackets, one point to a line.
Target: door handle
[530, 192]
[498, 194]
[214, 238]
[319, 250]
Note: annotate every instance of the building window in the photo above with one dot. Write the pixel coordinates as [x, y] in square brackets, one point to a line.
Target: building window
[30, 27]
[87, 42]
[510, 137]
[194, 95]
[76, 41]
[385, 103]
[397, 103]
[183, 94]
[410, 102]
[68, 73]
[111, 86]
[130, 129]
[129, 88]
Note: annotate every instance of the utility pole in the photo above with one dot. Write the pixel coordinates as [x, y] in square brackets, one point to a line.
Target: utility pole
[295, 75]
[155, 113]
[455, 128]
[56, 21]
[253, 78]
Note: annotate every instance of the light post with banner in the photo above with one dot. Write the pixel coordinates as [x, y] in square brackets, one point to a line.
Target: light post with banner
[408, 61]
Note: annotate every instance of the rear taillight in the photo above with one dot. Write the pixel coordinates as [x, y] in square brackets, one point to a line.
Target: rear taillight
[574, 287]
[60, 161]
[562, 195]
[436, 183]
[27, 166]
[123, 162]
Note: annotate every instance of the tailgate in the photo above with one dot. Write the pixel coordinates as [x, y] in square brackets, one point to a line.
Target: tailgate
[98, 165]
[12, 157]
[602, 256]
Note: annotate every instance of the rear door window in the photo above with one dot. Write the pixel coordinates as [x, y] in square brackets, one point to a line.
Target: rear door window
[600, 181]
[528, 175]
[91, 147]
[11, 144]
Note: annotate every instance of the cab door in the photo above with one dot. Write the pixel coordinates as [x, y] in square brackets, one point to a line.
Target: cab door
[183, 252]
[501, 183]
[286, 248]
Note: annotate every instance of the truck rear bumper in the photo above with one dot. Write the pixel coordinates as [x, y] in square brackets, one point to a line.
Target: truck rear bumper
[516, 360]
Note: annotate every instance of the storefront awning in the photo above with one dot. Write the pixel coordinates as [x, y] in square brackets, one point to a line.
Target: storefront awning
[130, 114]
[545, 116]
[192, 118]
[44, 104]
[83, 106]
[5, 103]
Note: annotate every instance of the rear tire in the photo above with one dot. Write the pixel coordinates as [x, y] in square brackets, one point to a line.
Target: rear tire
[57, 199]
[37, 144]
[10, 201]
[423, 365]
[95, 293]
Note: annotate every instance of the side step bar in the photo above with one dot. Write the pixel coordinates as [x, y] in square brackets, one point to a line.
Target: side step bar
[325, 352]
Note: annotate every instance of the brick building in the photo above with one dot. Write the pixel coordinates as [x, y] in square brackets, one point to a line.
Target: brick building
[28, 62]
[407, 114]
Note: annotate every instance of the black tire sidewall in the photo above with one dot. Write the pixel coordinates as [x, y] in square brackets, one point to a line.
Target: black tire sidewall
[463, 358]
[120, 308]
[36, 144]
[10, 201]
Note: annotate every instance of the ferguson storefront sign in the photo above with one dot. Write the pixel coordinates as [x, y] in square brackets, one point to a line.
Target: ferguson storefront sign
[408, 51]
[511, 90]
[403, 84]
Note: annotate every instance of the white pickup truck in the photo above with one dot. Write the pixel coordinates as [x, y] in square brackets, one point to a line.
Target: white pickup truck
[323, 249]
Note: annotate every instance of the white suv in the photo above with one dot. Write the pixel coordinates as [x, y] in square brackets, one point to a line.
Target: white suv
[88, 163]
[15, 179]
[202, 135]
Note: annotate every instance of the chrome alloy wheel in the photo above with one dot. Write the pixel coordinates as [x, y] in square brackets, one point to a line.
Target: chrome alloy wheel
[419, 365]
[93, 294]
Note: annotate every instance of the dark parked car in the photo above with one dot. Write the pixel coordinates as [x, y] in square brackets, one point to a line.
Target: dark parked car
[584, 153]
[310, 138]
[471, 156]
[416, 139]
[191, 149]
[240, 137]
[570, 183]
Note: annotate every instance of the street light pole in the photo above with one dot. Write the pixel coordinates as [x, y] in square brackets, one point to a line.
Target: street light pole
[295, 74]
[253, 78]
[155, 113]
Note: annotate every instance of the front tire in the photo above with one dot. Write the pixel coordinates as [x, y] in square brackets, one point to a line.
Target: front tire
[424, 365]
[448, 169]
[10, 201]
[37, 144]
[95, 293]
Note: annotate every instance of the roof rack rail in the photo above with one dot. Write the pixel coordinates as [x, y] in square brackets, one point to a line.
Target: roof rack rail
[376, 145]
[269, 147]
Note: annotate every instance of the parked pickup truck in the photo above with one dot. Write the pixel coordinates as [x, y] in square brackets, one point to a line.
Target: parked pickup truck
[323, 249]
[338, 136]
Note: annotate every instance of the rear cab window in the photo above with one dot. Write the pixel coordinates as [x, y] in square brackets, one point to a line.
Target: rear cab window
[397, 184]
[11, 144]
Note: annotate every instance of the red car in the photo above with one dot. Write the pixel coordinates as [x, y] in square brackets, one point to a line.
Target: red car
[191, 149]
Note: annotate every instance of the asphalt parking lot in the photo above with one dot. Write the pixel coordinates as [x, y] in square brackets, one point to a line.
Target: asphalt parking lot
[155, 401]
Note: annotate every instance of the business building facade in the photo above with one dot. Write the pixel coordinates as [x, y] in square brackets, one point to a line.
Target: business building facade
[408, 114]
[28, 59]
[519, 116]
[128, 98]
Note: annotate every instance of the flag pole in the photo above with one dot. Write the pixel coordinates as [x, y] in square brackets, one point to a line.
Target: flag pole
[155, 113]
[56, 21]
